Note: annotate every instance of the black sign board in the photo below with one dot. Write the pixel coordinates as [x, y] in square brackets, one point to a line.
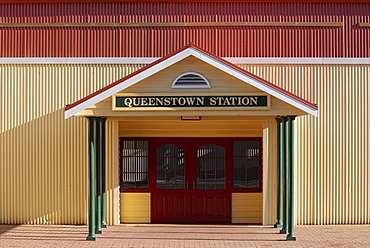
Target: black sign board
[190, 101]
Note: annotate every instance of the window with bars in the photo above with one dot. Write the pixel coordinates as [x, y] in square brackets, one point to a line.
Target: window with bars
[247, 165]
[134, 164]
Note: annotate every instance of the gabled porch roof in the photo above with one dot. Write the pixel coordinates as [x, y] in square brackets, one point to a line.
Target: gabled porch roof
[191, 50]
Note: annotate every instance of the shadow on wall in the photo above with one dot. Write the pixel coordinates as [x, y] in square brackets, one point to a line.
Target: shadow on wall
[43, 172]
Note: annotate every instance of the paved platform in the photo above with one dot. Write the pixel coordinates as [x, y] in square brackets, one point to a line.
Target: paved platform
[183, 236]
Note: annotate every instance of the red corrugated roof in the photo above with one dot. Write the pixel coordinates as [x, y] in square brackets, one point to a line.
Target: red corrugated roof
[182, 1]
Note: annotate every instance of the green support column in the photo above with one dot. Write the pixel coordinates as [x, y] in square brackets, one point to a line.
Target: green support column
[91, 170]
[98, 229]
[104, 196]
[291, 235]
[284, 230]
[279, 213]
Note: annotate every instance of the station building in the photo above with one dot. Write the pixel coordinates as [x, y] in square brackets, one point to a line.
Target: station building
[252, 112]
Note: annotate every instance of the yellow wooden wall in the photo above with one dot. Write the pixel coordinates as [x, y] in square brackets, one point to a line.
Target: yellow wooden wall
[247, 208]
[135, 207]
[175, 127]
[43, 159]
[43, 156]
[332, 153]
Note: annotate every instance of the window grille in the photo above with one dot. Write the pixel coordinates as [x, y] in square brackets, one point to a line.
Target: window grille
[191, 80]
[134, 164]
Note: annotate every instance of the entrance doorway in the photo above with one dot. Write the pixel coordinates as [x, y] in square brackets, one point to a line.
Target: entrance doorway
[192, 181]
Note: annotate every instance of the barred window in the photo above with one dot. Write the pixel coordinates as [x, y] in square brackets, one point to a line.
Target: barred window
[247, 164]
[134, 164]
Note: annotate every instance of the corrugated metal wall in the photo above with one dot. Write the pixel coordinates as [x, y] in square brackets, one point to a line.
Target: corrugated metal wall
[269, 172]
[335, 29]
[43, 156]
[332, 150]
[112, 175]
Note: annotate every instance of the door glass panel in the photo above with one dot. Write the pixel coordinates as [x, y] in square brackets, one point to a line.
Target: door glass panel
[210, 167]
[170, 167]
[247, 164]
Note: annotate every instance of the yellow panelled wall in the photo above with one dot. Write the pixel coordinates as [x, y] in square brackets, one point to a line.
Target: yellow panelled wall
[43, 157]
[135, 207]
[112, 172]
[175, 127]
[269, 173]
[246, 208]
[43, 161]
[332, 152]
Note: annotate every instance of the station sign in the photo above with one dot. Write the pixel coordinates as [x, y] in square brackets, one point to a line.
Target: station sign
[192, 101]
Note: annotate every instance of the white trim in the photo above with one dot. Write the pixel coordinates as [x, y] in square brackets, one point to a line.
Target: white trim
[148, 60]
[269, 90]
[176, 58]
[300, 61]
[95, 60]
[129, 82]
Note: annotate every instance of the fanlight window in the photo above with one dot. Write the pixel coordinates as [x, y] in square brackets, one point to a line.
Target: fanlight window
[191, 80]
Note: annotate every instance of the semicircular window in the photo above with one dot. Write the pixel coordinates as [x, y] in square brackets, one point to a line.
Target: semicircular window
[191, 80]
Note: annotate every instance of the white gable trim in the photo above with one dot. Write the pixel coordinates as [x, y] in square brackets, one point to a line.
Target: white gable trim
[253, 82]
[127, 83]
[178, 57]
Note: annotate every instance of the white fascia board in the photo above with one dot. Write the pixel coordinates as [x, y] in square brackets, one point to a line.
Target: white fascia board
[274, 61]
[127, 83]
[77, 61]
[253, 82]
[148, 60]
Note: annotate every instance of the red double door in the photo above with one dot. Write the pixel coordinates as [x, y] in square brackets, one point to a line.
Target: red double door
[192, 180]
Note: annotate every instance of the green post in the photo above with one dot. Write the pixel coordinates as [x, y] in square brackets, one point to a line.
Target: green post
[91, 169]
[284, 230]
[104, 196]
[279, 213]
[98, 229]
[291, 235]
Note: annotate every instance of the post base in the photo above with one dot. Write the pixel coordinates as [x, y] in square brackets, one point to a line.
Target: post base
[91, 238]
[283, 231]
[278, 225]
[98, 231]
[291, 237]
[104, 225]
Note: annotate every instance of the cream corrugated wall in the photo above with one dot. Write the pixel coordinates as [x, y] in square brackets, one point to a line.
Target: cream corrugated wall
[269, 172]
[112, 169]
[332, 150]
[42, 156]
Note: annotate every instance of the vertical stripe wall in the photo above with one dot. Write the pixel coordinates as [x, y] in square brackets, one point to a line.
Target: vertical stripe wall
[332, 151]
[43, 170]
[43, 156]
[337, 32]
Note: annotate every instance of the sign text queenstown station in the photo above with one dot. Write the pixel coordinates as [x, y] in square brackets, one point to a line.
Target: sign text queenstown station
[191, 101]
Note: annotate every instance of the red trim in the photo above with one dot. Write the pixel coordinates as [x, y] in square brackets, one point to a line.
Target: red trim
[202, 51]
